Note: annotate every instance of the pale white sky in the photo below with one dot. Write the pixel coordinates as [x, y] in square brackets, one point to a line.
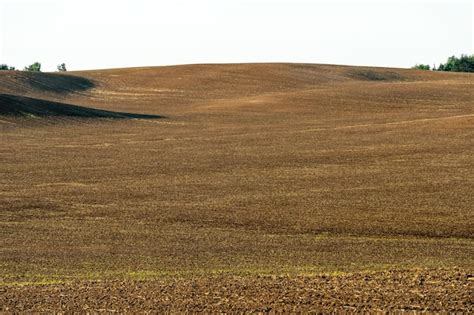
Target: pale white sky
[92, 34]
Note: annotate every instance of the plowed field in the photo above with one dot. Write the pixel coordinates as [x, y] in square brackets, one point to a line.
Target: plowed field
[236, 188]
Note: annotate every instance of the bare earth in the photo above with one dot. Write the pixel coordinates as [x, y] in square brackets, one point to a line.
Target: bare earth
[418, 290]
[254, 187]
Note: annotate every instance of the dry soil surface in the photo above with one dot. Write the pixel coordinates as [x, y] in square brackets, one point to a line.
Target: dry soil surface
[132, 177]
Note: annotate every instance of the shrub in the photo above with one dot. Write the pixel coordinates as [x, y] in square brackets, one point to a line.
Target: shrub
[6, 67]
[61, 67]
[422, 67]
[36, 67]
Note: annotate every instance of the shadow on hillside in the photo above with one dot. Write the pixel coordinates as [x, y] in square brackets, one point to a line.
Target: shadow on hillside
[19, 106]
[55, 82]
[376, 75]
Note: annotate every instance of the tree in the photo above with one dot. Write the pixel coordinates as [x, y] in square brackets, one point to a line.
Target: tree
[35, 67]
[421, 67]
[465, 63]
[6, 67]
[61, 67]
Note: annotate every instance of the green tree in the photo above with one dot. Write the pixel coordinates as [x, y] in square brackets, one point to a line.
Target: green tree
[421, 67]
[35, 67]
[465, 63]
[6, 67]
[62, 67]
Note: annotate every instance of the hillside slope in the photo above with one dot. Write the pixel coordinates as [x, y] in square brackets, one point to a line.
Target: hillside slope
[284, 170]
[47, 90]
[176, 88]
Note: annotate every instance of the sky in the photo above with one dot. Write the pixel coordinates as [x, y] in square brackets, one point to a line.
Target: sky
[98, 34]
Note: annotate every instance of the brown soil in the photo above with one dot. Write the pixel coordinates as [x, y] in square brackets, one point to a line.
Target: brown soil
[416, 290]
[255, 169]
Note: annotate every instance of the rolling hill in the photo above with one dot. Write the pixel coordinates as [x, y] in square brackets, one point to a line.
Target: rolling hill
[299, 177]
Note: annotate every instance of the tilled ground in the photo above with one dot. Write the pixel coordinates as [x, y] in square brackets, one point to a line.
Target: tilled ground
[253, 169]
[415, 290]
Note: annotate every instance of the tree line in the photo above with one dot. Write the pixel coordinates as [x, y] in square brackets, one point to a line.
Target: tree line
[34, 67]
[465, 63]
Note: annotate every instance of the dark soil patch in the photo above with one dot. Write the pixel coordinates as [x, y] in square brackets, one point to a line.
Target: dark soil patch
[12, 105]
